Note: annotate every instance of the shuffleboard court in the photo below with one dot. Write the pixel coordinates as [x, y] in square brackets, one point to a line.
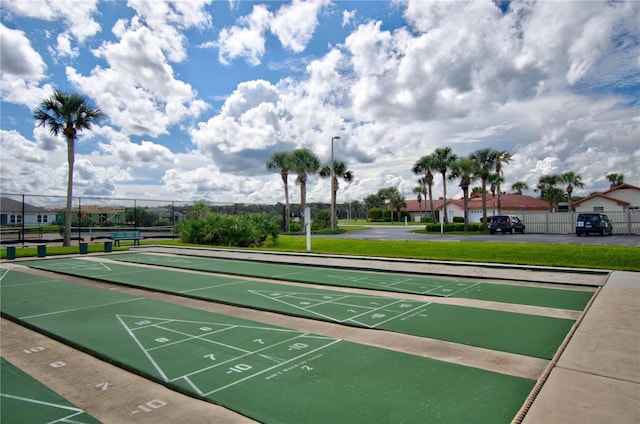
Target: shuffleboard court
[524, 334]
[268, 373]
[524, 295]
[23, 399]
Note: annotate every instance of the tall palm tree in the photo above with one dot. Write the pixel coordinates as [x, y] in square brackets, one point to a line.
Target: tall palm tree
[339, 170]
[467, 170]
[69, 114]
[572, 180]
[486, 161]
[304, 163]
[425, 165]
[443, 157]
[501, 157]
[519, 186]
[280, 160]
[615, 180]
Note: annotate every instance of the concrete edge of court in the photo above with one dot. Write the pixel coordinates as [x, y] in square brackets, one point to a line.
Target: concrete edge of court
[597, 377]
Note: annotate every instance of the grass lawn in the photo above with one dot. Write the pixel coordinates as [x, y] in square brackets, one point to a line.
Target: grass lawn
[579, 256]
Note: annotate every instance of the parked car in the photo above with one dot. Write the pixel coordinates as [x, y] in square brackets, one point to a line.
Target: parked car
[506, 224]
[596, 223]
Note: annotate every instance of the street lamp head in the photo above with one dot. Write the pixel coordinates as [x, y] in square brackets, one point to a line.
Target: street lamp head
[335, 137]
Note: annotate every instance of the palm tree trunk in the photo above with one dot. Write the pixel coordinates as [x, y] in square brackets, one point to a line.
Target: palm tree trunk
[484, 204]
[67, 216]
[444, 198]
[303, 204]
[433, 213]
[465, 192]
[287, 208]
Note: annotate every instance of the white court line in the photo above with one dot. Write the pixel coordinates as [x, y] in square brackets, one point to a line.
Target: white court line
[256, 352]
[456, 291]
[40, 402]
[3, 272]
[332, 319]
[155, 365]
[216, 286]
[270, 368]
[196, 337]
[418, 308]
[80, 309]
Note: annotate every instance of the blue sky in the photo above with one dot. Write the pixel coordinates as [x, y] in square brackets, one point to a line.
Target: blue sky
[198, 94]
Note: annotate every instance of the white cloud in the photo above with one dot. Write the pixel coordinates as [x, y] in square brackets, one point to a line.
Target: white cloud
[246, 40]
[139, 91]
[294, 24]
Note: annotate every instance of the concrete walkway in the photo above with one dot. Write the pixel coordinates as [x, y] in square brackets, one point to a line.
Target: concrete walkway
[597, 377]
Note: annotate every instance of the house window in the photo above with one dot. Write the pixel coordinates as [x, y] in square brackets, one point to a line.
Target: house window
[43, 219]
[598, 208]
[15, 219]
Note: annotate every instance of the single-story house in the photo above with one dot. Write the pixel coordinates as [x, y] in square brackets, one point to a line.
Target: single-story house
[510, 204]
[622, 198]
[15, 213]
[417, 209]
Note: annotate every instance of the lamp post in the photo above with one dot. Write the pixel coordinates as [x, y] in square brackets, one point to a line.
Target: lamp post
[333, 191]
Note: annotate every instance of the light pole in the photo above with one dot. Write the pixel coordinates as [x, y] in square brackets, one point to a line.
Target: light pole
[333, 191]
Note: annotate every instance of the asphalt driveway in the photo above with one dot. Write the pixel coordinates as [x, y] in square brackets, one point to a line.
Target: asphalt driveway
[402, 232]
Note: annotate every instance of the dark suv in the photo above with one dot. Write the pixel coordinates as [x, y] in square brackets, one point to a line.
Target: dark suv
[597, 223]
[506, 224]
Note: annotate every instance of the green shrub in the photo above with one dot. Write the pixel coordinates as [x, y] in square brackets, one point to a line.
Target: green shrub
[321, 220]
[457, 219]
[374, 215]
[246, 230]
[455, 227]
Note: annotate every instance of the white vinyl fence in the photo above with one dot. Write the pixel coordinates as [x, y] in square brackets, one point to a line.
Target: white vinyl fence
[627, 222]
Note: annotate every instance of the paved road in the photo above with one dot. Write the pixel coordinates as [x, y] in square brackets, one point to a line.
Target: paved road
[401, 232]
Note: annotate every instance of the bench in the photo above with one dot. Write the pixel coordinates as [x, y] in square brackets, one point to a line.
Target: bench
[126, 235]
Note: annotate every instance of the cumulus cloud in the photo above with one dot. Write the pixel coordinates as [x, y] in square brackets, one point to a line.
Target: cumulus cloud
[293, 25]
[139, 91]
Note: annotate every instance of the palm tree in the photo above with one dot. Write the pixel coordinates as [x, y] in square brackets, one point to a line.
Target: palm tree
[443, 157]
[355, 205]
[303, 163]
[420, 191]
[485, 160]
[615, 180]
[396, 201]
[425, 165]
[339, 170]
[373, 201]
[548, 190]
[572, 180]
[519, 186]
[199, 210]
[501, 157]
[280, 160]
[495, 180]
[68, 114]
[467, 170]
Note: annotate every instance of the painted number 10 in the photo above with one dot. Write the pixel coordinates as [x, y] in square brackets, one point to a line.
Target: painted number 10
[239, 368]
